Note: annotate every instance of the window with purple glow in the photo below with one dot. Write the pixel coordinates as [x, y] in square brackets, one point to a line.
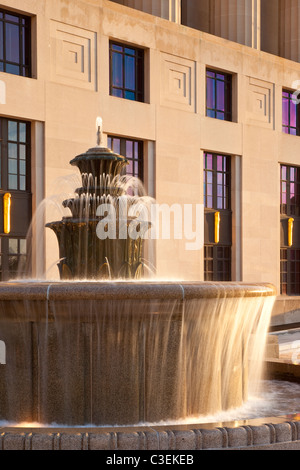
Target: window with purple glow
[290, 114]
[132, 150]
[126, 72]
[218, 95]
[216, 181]
[15, 44]
[290, 190]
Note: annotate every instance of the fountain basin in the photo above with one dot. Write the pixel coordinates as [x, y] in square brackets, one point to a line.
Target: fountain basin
[123, 353]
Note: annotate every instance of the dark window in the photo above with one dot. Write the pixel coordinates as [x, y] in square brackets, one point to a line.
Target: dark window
[283, 271]
[218, 95]
[294, 281]
[290, 190]
[216, 181]
[217, 263]
[13, 258]
[208, 263]
[290, 271]
[15, 43]
[132, 150]
[217, 188]
[290, 208]
[15, 155]
[290, 114]
[126, 72]
[15, 180]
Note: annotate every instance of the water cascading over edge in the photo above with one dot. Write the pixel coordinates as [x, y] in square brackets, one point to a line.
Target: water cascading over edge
[126, 353]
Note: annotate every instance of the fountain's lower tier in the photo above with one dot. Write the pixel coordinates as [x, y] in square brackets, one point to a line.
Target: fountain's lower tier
[122, 353]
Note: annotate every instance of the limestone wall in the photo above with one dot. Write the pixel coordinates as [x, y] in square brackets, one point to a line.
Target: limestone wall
[70, 88]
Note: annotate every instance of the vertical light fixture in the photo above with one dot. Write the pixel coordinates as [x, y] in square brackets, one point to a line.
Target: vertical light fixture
[6, 212]
[217, 226]
[290, 231]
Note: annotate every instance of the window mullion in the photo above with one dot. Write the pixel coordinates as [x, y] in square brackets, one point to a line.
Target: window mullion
[141, 160]
[123, 71]
[289, 272]
[288, 192]
[216, 95]
[297, 120]
[215, 263]
[136, 71]
[289, 114]
[28, 160]
[4, 44]
[4, 162]
[215, 182]
[21, 61]
[110, 70]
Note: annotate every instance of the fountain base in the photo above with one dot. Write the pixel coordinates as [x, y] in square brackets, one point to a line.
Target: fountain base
[274, 433]
[123, 353]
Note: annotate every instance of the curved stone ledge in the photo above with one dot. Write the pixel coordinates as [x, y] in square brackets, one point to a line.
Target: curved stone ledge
[130, 290]
[275, 433]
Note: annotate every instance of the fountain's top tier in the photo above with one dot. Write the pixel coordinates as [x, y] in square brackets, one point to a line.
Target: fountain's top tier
[100, 161]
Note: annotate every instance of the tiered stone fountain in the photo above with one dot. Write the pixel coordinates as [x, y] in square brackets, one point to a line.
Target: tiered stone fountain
[83, 254]
[104, 346]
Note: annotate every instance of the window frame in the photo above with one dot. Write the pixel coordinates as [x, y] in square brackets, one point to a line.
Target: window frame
[214, 112]
[287, 208]
[5, 141]
[217, 256]
[284, 280]
[139, 73]
[137, 155]
[13, 264]
[288, 127]
[290, 256]
[214, 256]
[25, 47]
[290, 271]
[215, 173]
[21, 138]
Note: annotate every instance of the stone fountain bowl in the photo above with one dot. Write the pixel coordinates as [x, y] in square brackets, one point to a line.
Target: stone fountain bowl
[122, 353]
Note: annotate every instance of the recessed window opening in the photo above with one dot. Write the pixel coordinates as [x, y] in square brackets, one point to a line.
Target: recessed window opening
[15, 43]
[126, 72]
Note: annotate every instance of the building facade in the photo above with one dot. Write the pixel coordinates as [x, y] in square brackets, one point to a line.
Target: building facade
[200, 96]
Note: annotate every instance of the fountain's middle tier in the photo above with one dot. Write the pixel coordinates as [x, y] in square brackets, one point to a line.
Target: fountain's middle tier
[85, 255]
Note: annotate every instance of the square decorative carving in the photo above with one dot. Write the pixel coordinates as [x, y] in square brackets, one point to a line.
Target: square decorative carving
[73, 55]
[260, 96]
[178, 77]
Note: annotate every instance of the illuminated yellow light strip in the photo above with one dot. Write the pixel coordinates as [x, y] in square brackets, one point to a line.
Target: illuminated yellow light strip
[6, 212]
[217, 226]
[290, 231]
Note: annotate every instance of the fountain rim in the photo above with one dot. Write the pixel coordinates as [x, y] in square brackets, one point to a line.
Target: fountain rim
[275, 432]
[134, 290]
